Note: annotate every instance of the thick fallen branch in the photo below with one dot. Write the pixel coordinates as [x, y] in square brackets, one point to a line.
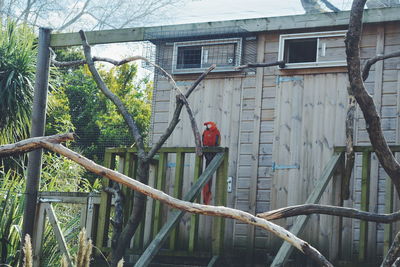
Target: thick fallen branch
[373, 60]
[393, 254]
[31, 144]
[281, 64]
[307, 209]
[219, 211]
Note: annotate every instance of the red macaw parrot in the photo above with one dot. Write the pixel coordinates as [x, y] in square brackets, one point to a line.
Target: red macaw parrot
[211, 137]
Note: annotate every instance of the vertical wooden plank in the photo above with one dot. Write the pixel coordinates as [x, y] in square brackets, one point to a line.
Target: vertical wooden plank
[295, 181]
[160, 184]
[148, 227]
[388, 228]
[365, 186]
[38, 234]
[234, 129]
[256, 145]
[105, 204]
[194, 219]
[89, 216]
[178, 183]
[220, 200]
[373, 198]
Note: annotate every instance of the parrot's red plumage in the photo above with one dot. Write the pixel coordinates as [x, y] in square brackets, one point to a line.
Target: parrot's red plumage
[211, 137]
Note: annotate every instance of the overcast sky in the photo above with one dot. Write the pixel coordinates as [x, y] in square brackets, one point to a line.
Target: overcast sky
[215, 10]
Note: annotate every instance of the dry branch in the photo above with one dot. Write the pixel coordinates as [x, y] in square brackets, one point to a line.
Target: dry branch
[31, 144]
[118, 103]
[393, 254]
[281, 64]
[175, 117]
[350, 155]
[373, 60]
[364, 99]
[307, 209]
[196, 208]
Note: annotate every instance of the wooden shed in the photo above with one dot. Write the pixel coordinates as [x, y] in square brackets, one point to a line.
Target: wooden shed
[282, 125]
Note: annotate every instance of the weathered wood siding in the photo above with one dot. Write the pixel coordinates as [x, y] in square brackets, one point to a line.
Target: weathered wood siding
[289, 117]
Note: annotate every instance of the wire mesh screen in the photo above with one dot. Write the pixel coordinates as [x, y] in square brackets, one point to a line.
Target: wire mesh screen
[183, 56]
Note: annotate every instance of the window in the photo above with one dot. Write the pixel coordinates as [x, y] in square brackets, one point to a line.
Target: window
[196, 56]
[310, 50]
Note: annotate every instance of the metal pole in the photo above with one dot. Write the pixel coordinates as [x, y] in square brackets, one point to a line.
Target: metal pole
[37, 129]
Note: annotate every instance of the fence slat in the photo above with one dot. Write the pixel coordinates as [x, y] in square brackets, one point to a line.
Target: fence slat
[160, 184]
[220, 200]
[178, 184]
[105, 204]
[194, 218]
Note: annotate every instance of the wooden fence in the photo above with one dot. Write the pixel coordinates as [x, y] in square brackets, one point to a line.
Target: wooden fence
[160, 222]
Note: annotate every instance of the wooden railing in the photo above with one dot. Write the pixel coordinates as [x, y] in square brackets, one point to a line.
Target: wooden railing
[366, 189]
[157, 217]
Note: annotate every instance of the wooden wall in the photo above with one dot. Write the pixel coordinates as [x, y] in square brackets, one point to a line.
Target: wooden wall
[289, 117]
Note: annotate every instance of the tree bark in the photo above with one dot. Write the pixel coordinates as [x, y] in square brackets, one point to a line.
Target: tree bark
[307, 209]
[365, 101]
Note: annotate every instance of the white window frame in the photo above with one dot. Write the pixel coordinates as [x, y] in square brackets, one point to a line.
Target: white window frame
[177, 45]
[317, 64]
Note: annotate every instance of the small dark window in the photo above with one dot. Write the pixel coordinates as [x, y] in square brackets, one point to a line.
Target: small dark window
[189, 57]
[300, 50]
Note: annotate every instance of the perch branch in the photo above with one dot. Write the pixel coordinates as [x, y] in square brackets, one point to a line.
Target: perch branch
[175, 117]
[281, 64]
[118, 212]
[170, 79]
[219, 211]
[364, 99]
[307, 209]
[393, 254]
[196, 208]
[118, 103]
[31, 144]
[372, 61]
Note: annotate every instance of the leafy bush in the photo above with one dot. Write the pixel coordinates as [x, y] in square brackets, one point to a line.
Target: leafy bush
[17, 68]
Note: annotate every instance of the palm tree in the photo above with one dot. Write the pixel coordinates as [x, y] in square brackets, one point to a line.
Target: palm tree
[17, 68]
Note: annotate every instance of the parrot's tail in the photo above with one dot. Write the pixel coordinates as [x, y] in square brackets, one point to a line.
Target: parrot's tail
[207, 193]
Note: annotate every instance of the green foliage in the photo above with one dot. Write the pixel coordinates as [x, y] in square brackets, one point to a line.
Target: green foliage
[96, 121]
[17, 68]
[11, 208]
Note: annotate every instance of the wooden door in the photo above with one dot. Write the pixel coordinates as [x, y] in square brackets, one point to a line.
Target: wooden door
[309, 122]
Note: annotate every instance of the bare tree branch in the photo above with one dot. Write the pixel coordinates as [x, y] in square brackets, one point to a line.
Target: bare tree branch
[393, 254]
[118, 103]
[365, 101]
[307, 209]
[281, 64]
[373, 60]
[196, 208]
[180, 96]
[31, 144]
[350, 155]
[175, 117]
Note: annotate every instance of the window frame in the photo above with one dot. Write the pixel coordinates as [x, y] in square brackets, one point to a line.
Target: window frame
[202, 43]
[318, 36]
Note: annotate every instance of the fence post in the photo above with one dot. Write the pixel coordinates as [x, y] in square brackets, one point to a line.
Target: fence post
[178, 184]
